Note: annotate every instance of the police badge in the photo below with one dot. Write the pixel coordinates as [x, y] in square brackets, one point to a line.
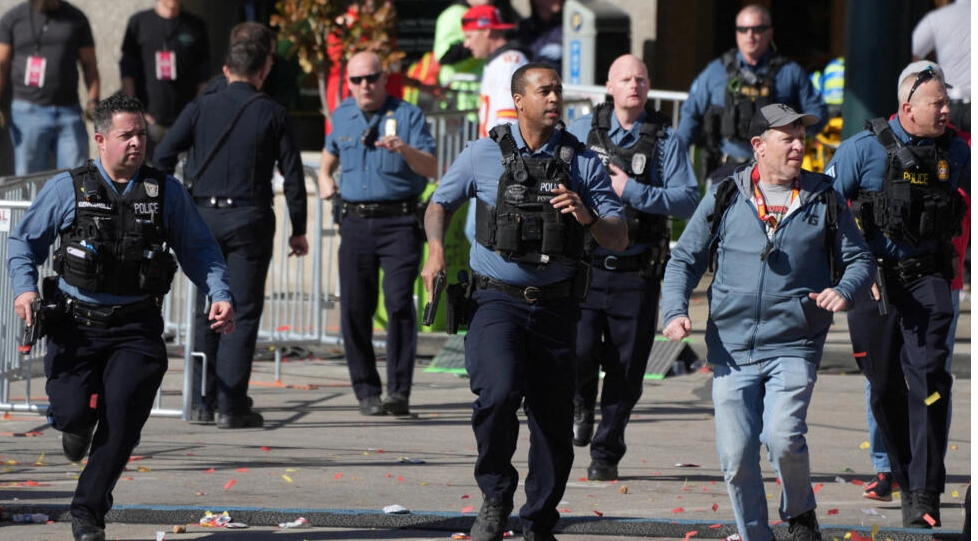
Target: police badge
[942, 170]
[638, 163]
[566, 153]
[152, 188]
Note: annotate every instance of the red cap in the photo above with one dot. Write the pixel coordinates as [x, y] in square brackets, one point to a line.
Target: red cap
[483, 17]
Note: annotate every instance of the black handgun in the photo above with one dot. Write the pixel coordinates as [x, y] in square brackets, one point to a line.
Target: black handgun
[880, 281]
[431, 308]
[35, 330]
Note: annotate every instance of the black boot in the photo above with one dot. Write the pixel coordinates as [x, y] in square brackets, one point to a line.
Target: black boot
[583, 425]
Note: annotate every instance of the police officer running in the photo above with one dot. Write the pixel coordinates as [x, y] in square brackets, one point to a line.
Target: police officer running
[538, 190]
[724, 97]
[116, 220]
[902, 177]
[651, 172]
[235, 136]
[786, 255]
[386, 153]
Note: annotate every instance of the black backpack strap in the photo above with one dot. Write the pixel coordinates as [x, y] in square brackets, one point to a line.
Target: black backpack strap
[725, 193]
[830, 199]
[884, 133]
[189, 181]
[502, 135]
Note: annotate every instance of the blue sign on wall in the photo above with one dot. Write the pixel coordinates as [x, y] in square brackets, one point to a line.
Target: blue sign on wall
[575, 61]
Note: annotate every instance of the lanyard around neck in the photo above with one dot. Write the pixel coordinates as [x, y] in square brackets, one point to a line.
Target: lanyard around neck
[770, 219]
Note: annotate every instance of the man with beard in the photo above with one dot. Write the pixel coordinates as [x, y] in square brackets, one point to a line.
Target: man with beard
[41, 44]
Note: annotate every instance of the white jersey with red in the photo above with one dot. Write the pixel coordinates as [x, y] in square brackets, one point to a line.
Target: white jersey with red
[496, 105]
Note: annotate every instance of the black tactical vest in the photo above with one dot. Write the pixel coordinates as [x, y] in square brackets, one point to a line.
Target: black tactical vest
[117, 243]
[917, 202]
[524, 227]
[746, 92]
[637, 161]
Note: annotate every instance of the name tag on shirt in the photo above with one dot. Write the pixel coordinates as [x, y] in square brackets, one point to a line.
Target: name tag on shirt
[390, 127]
[166, 65]
[34, 74]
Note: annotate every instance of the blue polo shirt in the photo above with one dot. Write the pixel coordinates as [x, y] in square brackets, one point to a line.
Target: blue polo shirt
[860, 163]
[54, 210]
[476, 173]
[791, 86]
[369, 173]
[673, 191]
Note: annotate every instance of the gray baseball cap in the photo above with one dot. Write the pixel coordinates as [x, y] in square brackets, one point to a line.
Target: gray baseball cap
[777, 115]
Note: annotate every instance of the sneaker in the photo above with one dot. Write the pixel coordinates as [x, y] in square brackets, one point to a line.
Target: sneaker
[371, 405]
[82, 530]
[492, 521]
[923, 505]
[397, 404]
[804, 527]
[75, 446]
[250, 419]
[602, 470]
[881, 488]
[201, 415]
[583, 425]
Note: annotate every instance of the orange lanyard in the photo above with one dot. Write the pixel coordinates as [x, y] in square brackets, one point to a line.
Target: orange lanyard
[769, 219]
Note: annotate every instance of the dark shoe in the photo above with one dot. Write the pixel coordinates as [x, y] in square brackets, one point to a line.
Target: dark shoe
[86, 531]
[397, 404]
[583, 425]
[76, 446]
[881, 488]
[371, 406]
[531, 535]
[251, 419]
[201, 415]
[925, 505]
[906, 506]
[601, 470]
[492, 521]
[804, 527]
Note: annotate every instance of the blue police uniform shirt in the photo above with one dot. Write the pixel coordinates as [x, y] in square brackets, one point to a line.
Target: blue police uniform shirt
[373, 174]
[791, 86]
[54, 210]
[674, 190]
[860, 163]
[476, 173]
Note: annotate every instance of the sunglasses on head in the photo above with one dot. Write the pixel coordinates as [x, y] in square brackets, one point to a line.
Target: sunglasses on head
[922, 77]
[371, 78]
[759, 29]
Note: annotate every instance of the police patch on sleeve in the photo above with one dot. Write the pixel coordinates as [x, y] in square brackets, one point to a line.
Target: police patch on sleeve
[566, 153]
[152, 188]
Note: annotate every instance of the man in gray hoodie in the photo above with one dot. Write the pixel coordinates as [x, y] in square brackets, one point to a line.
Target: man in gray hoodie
[775, 241]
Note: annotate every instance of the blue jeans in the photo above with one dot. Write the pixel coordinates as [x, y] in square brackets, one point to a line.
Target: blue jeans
[877, 448]
[40, 132]
[764, 402]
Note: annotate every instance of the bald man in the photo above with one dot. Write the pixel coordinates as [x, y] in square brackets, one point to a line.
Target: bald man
[651, 172]
[387, 155]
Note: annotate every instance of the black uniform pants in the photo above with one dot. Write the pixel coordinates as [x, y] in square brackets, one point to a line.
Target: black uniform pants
[367, 246]
[903, 356]
[522, 353]
[615, 333]
[107, 376]
[246, 236]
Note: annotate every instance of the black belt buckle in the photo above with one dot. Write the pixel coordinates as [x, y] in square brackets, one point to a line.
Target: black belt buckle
[532, 294]
[610, 262]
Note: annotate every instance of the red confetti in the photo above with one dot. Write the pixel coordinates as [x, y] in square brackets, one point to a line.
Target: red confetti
[816, 488]
[582, 479]
[210, 471]
[229, 484]
[241, 470]
[854, 536]
[599, 513]
[832, 512]
[679, 510]
[715, 526]
[690, 534]
[465, 496]
[337, 476]
[389, 476]
[715, 507]
[283, 328]
[468, 509]
[857, 482]
[265, 448]
[400, 479]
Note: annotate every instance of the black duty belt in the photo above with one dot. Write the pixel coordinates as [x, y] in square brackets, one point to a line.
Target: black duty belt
[230, 202]
[102, 315]
[381, 209]
[619, 263]
[550, 292]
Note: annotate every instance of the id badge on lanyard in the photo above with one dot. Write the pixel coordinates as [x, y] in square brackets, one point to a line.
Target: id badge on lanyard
[166, 65]
[34, 74]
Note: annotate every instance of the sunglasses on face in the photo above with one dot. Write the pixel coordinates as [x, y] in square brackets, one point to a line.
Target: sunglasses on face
[371, 78]
[922, 78]
[759, 29]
